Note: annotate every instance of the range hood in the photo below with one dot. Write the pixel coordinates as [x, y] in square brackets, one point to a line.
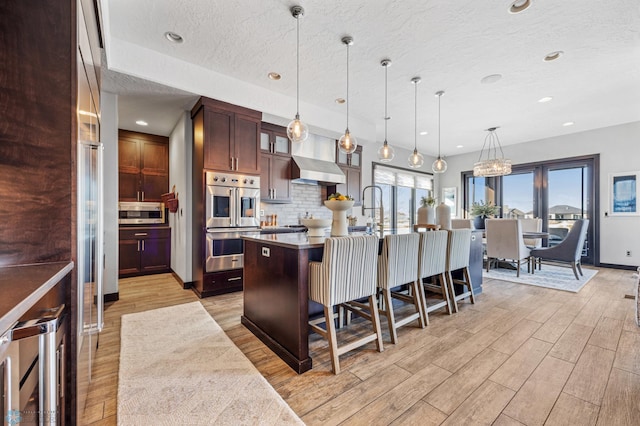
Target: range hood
[314, 171]
[314, 162]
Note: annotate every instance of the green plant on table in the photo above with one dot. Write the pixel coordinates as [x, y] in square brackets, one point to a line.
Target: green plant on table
[428, 201]
[484, 209]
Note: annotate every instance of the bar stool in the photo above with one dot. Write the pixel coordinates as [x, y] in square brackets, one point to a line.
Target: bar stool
[458, 249]
[347, 272]
[397, 265]
[432, 262]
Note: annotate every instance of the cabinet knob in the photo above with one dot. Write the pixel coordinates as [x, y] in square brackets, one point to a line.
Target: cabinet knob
[224, 179]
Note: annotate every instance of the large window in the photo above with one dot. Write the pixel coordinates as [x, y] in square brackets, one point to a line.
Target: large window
[558, 191]
[402, 190]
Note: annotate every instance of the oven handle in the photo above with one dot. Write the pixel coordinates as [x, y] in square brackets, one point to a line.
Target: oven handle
[238, 208]
[232, 206]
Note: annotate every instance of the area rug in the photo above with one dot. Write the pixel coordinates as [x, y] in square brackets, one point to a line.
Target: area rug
[178, 367]
[550, 276]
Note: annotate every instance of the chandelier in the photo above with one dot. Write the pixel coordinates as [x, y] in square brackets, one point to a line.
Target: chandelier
[496, 166]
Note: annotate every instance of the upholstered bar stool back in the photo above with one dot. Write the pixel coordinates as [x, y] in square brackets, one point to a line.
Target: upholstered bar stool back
[398, 265]
[432, 262]
[347, 272]
[461, 224]
[458, 250]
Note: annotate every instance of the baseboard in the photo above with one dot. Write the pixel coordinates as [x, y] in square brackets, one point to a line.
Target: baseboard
[182, 283]
[613, 266]
[112, 297]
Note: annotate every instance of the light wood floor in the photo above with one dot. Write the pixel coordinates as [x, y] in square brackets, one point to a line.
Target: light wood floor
[520, 355]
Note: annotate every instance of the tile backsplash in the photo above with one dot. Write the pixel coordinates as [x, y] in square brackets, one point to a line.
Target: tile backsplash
[306, 198]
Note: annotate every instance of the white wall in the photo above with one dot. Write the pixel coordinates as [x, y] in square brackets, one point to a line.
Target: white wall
[180, 166]
[109, 137]
[619, 151]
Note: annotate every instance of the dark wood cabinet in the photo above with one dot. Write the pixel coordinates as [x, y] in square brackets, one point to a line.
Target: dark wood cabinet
[275, 164]
[144, 251]
[351, 166]
[143, 166]
[230, 136]
[220, 282]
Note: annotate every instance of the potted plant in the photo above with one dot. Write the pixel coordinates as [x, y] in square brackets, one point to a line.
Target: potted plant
[481, 211]
[427, 213]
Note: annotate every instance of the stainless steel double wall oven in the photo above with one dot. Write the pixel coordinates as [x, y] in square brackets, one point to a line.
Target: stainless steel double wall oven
[232, 208]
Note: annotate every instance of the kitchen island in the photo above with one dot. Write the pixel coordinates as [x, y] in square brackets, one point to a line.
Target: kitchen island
[276, 299]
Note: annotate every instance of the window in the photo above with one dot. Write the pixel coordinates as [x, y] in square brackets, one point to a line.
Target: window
[401, 193]
[558, 191]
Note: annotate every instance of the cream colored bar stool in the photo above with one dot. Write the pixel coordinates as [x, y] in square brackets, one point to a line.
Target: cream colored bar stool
[458, 249]
[397, 265]
[347, 272]
[432, 262]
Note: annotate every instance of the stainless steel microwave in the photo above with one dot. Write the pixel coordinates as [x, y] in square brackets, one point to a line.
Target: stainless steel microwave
[140, 213]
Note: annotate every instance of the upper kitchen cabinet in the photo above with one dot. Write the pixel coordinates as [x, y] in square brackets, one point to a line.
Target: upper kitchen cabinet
[231, 136]
[351, 166]
[275, 164]
[143, 166]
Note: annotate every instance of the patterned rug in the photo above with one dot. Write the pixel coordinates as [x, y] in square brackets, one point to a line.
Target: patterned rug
[556, 277]
[177, 366]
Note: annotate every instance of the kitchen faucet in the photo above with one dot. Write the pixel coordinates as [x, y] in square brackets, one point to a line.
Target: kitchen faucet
[373, 206]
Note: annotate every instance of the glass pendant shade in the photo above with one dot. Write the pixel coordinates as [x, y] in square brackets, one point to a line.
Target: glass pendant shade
[416, 160]
[439, 166]
[297, 131]
[386, 153]
[492, 164]
[347, 143]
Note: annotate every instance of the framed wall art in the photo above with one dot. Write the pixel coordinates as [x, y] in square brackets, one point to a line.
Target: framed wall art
[624, 193]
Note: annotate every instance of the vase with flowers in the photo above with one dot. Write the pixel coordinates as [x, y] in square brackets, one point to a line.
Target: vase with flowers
[427, 211]
[481, 210]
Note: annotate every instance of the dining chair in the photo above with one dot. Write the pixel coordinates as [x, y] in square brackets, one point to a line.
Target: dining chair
[432, 263]
[531, 225]
[458, 250]
[347, 272]
[462, 224]
[397, 266]
[568, 250]
[504, 241]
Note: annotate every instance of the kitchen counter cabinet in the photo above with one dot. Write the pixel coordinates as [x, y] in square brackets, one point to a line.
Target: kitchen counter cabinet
[144, 250]
[143, 166]
[230, 136]
[275, 164]
[276, 299]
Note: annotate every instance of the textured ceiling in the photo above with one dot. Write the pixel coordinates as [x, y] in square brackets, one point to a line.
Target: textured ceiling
[452, 45]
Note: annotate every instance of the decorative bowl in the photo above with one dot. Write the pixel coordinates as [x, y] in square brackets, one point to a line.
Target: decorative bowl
[316, 226]
[337, 205]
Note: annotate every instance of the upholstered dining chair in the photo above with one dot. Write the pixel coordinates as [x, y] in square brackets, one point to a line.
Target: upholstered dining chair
[347, 272]
[504, 241]
[397, 265]
[531, 225]
[569, 250]
[458, 250]
[432, 262]
[461, 223]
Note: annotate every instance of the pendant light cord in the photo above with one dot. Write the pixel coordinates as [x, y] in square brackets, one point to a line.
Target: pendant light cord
[386, 116]
[298, 66]
[415, 130]
[347, 86]
[439, 98]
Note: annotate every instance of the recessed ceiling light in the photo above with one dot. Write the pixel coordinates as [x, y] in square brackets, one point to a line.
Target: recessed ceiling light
[490, 79]
[142, 123]
[274, 76]
[340, 100]
[553, 56]
[568, 123]
[173, 37]
[459, 146]
[545, 99]
[519, 6]
[424, 132]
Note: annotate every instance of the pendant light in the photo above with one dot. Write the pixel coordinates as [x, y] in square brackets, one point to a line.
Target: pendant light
[492, 165]
[297, 131]
[347, 143]
[386, 152]
[439, 166]
[416, 160]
